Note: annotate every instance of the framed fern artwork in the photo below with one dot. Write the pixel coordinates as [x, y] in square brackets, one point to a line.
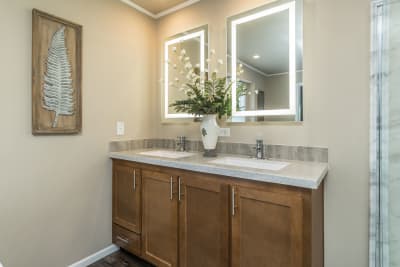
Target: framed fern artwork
[56, 75]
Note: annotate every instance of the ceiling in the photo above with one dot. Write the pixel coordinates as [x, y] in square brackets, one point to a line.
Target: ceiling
[159, 8]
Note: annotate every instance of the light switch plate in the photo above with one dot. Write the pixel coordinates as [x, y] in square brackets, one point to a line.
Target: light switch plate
[120, 128]
[225, 132]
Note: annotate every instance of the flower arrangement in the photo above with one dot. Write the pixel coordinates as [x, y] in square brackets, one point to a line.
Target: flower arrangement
[206, 93]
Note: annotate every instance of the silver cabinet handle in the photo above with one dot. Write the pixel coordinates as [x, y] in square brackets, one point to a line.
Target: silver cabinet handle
[125, 240]
[134, 180]
[171, 188]
[233, 201]
[179, 188]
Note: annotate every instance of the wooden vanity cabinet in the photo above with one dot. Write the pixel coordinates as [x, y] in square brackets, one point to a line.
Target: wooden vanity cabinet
[266, 228]
[276, 226]
[192, 219]
[185, 219]
[203, 221]
[160, 218]
[127, 206]
[126, 239]
[127, 183]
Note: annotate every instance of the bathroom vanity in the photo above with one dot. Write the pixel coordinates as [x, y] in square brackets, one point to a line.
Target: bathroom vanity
[193, 211]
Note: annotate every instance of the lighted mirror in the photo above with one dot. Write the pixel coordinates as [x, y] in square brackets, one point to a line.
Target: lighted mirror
[266, 43]
[191, 47]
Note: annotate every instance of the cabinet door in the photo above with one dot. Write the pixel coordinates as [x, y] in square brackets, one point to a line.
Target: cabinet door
[204, 222]
[266, 229]
[126, 197]
[160, 219]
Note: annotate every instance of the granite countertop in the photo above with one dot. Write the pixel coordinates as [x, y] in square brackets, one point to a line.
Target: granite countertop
[298, 173]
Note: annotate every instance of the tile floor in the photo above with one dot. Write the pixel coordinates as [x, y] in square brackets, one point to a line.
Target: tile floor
[120, 259]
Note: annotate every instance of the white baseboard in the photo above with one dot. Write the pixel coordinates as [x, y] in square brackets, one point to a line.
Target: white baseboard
[96, 256]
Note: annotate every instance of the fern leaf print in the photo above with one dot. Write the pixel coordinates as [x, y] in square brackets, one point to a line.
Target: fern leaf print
[57, 88]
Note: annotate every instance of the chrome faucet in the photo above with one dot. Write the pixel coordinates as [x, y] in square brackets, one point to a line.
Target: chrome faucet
[259, 149]
[181, 143]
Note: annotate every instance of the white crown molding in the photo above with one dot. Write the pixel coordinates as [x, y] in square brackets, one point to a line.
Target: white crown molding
[96, 256]
[176, 8]
[162, 13]
[139, 8]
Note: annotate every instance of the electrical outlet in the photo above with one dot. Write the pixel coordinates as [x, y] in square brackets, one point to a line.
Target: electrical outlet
[225, 132]
[120, 128]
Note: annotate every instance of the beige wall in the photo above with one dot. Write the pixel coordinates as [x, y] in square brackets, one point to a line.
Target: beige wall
[277, 93]
[256, 81]
[336, 112]
[55, 191]
[277, 90]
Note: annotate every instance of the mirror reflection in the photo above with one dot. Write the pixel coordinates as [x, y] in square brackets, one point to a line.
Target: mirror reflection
[189, 47]
[267, 44]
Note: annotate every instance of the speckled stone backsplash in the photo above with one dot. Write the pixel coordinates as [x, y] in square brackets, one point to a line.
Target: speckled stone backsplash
[299, 153]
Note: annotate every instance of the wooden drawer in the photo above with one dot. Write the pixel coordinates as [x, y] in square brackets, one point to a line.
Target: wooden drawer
[126, 239]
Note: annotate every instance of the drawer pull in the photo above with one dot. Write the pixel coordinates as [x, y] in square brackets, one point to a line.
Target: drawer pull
[180, 194]
[171, 188]
[233, 201]
[134, 180]
[125, 240]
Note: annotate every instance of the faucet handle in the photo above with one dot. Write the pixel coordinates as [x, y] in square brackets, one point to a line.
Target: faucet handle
[181, 142]
[181, 138]
[259, 149]
[259, 143]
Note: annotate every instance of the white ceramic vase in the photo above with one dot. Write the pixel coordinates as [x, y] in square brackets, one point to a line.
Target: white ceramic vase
[209, 130]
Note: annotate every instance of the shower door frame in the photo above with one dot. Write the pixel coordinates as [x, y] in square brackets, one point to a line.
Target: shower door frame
[379, 230]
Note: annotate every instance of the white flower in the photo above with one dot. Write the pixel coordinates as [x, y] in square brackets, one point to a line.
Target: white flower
[197, 65]
[240, 65]
[187, 58]
[176, 79]
[212, 51]
[174, 49]
[220, 61]
[183, 52]
[175, 66]
[188, 66]
[208, 60]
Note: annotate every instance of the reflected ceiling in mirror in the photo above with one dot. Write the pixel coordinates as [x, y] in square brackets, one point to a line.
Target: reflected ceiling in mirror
[194, 44]
[267, 43]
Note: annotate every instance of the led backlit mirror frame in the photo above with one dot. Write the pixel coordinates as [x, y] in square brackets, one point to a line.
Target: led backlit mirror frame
[267, 11]
[200, 32]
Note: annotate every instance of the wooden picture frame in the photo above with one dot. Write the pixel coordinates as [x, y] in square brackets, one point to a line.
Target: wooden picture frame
[56, 75]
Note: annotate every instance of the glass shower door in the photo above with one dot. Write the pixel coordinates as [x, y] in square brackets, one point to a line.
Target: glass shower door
[385, 135]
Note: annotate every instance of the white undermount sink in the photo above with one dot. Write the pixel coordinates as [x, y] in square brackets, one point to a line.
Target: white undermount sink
[251, 163]
[166, 154]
